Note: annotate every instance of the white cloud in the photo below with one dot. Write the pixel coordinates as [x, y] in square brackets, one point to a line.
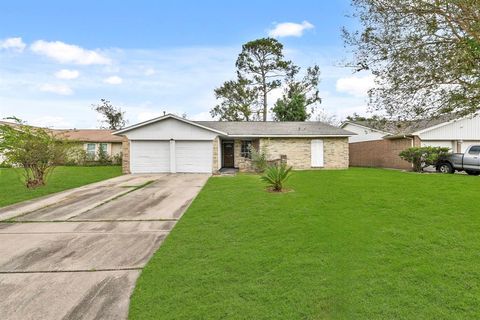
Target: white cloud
[67, 74]
[290, 29]
[355, 86]
[68, 53]
[61, 89]
[51, 122]
[113, 80]
[149, 72]
[13, 43]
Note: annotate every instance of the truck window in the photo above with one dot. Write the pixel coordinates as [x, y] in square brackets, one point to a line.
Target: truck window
[474, 150]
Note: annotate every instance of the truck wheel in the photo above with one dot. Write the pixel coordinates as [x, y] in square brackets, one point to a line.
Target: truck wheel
[472, 173]
[445, 168]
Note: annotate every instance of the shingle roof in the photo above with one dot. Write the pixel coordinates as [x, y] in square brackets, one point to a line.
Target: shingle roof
[82, 135]
[405, 127]
[273, 128]
[89, 135]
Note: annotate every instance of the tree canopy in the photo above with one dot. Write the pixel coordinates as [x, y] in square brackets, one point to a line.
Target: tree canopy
[261, 68]
[424, 54]
[237, 99]
[298, 96]
[114, 118]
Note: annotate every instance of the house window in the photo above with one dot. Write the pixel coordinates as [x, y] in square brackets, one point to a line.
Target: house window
[103, 147]
[246, 149]
[91, 150]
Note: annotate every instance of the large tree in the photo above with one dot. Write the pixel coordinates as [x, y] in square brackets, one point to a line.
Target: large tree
[300, 97]
[425, 55]
[237, 99]
[261, 68]
[114, 118]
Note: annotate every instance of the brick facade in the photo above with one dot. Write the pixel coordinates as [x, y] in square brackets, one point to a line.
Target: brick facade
[125, 155]
[381, 153]
[298, 152]
[336, 153]
[216, 155]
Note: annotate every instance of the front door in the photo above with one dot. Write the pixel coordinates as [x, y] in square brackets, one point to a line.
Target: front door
[228, 155]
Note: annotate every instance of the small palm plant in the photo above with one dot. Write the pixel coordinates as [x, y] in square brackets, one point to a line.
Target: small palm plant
[276, 176]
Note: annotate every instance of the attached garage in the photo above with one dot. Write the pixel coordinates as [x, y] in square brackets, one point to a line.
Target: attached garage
[193, 156]
[170, 145]
[150, 156]
[171, 156]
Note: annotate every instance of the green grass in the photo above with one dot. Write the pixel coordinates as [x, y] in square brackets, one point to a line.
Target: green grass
[356, 244]
[12, 189]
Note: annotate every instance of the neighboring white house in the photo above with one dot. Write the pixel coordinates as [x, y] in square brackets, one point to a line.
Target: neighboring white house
[378, 144]
[456, 134]
[364, 133]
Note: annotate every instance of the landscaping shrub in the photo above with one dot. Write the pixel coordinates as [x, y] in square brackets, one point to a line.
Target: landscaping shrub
[102, 157]
[276, 176]
[77, 157]
[117, 159]
[36, 150]
[259, 158]
[422, 157]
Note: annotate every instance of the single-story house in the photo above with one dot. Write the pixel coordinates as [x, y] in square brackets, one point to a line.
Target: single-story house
[377, 144]
[92, 140]
[174, 144]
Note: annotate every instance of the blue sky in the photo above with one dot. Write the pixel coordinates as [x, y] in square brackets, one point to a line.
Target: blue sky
[59, 57]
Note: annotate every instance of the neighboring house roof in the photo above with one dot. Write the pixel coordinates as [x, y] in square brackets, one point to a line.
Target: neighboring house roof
[82, 135]
[256, 128]
[362, 125]
[89, 135]
[404, 128]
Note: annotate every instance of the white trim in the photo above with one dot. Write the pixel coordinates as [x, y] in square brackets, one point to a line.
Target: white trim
[471, 116]
[364, 127]
[173, 165]
[290, 136]
[168, 116]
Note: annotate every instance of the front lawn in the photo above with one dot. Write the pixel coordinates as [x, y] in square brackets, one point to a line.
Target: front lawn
[12, 190]
[356, 244]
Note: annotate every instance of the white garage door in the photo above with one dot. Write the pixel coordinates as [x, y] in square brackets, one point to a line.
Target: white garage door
[149, 156]
[466, 144]
[438, 143]
[193, 156]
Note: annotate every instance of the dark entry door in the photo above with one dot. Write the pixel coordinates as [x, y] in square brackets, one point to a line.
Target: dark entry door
[228, 155]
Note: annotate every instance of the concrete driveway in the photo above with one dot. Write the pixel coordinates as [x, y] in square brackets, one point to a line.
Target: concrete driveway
[78, 253]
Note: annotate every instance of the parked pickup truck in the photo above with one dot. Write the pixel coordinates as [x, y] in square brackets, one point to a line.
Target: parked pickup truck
[468, 162]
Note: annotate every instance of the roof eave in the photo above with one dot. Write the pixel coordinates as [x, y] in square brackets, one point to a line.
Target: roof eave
[362, 126]
[290, 135]
[168, 116]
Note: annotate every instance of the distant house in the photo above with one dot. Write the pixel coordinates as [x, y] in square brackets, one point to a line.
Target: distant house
[377, 144]
[174, 144]
[91, 140]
